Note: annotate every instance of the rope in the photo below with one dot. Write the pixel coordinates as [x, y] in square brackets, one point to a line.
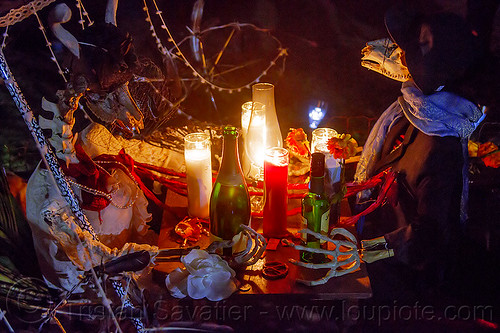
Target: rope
[19, 14]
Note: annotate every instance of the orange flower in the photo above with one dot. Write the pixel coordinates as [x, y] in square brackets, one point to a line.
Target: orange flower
[343, 146]
[473, 148]
[492, 160]
[297, 143]
[490, 154]
[486, 148]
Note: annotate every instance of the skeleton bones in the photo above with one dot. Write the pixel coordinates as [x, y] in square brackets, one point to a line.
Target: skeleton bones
[206, 274]
[345, 257]
[254, 247]
[99, 76]
[251, 246]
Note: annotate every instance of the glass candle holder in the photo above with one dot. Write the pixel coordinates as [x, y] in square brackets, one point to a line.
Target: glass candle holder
[320, 137]
[333, 169]
[253, 129]
[275, 192]
[198, 158]
[264, 93]
[319, 143]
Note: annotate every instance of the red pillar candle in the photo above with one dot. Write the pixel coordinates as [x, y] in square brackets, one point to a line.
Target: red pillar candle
[275, 192]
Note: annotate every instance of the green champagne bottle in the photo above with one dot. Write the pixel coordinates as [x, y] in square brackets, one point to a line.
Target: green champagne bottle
[229, 201]
[315, 210]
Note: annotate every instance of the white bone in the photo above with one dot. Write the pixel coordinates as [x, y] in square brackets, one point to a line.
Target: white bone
[385, 57]
[343, 261]
[257, 243]
[62, 138]
[62, 14]
[343, 232]
[111, 9]
[255, 246]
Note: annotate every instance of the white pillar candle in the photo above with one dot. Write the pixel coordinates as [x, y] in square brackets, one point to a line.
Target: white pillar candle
[246, 112]
[198, 173]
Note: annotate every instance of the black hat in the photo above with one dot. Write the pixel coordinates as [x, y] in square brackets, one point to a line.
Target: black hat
[454, 50]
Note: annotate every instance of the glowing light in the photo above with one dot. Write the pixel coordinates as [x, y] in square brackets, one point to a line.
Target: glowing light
[316, 113]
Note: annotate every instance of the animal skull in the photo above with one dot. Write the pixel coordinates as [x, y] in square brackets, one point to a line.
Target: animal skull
[118, 107]
[385, 57]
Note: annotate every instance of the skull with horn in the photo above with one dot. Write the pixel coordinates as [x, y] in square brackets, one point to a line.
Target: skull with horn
[102, 63]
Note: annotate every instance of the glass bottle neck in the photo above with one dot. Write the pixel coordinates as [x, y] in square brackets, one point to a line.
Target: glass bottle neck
[317, 185]
[230, 158]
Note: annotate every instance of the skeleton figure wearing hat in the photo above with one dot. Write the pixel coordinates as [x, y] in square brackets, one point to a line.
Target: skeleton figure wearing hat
[101, 65]
[410, 242]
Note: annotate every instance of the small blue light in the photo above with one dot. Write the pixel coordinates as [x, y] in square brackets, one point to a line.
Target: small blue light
[316, 113]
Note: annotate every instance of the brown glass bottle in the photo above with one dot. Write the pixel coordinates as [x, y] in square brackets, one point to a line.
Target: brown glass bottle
[315, 210]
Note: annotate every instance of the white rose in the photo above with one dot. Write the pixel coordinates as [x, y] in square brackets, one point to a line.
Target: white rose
[205, 275]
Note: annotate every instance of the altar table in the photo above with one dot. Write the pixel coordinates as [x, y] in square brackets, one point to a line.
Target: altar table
[353, 286]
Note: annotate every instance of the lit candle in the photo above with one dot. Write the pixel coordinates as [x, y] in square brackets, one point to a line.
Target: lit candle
[320, 137]
[319, 143]
[275, 192]
[253, 125]
[198, 173]
[246, 113]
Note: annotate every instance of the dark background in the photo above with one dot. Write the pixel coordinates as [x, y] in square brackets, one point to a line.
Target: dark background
[323, 38]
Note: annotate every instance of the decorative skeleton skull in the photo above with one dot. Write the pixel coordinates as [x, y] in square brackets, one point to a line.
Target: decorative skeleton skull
[117, 107]
[345, 257]
[385, 57]
[101, 65]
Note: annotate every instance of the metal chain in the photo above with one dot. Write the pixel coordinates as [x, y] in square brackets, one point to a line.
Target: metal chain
[109, 196]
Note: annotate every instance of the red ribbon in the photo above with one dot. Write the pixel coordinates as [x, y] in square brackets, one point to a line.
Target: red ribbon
[127, 161]
[88, 174]
[390, 179]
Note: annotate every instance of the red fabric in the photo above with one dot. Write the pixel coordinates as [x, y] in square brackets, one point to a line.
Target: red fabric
[353, 188]
[164, 171]
[381, 199]
[128, 162]
[174, 185]
[87, 173]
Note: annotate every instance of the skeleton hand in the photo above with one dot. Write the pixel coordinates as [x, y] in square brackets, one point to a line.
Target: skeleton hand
[345, 257]
[375, 249]
[251, 243]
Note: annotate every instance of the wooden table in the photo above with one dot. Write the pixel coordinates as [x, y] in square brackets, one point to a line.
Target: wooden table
[353, 286]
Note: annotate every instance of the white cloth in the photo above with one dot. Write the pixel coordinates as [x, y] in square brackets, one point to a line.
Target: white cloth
[63, 249]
